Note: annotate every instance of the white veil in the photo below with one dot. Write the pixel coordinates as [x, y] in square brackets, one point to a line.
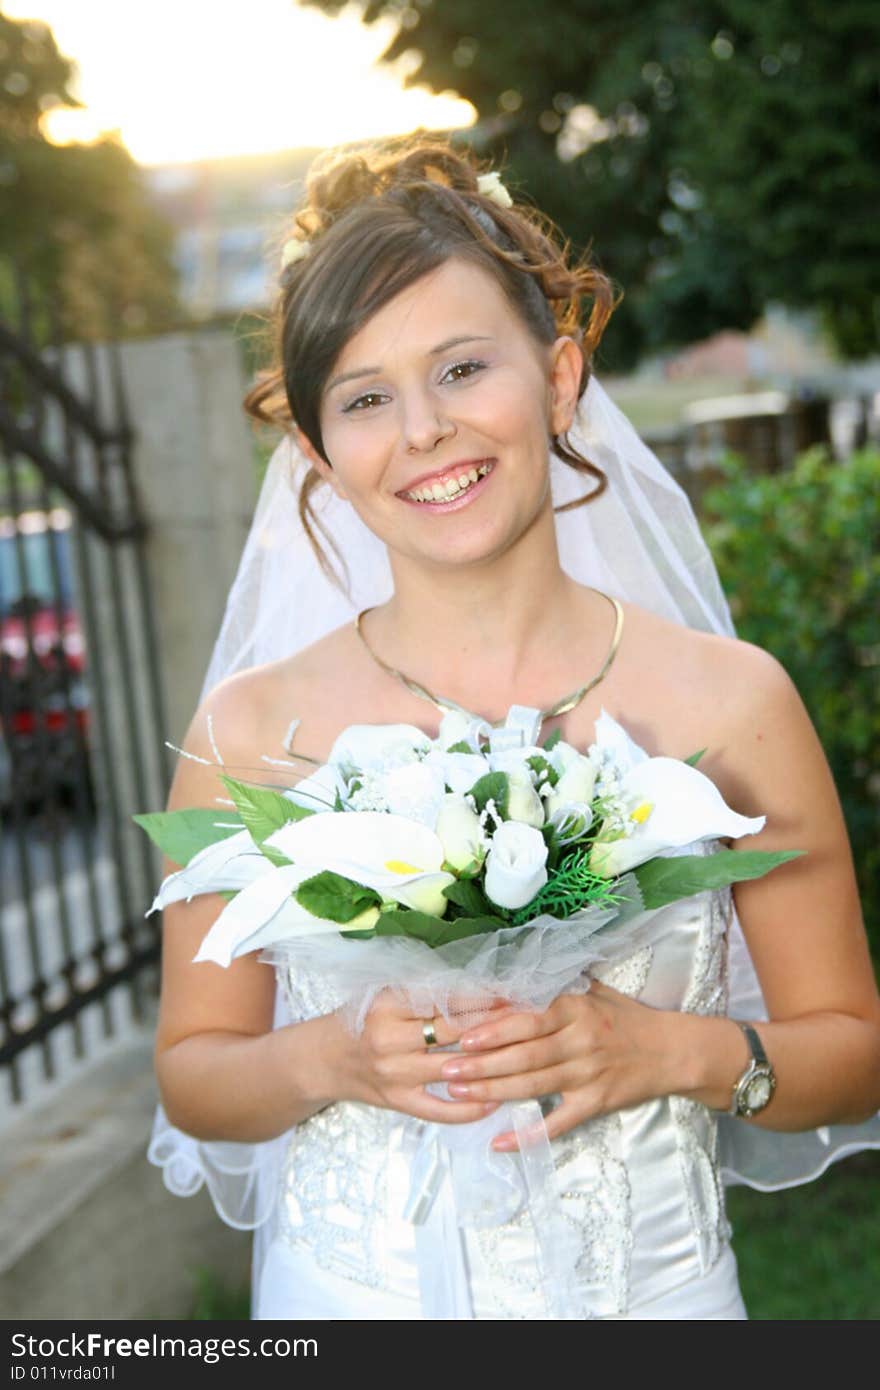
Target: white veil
[639, 541]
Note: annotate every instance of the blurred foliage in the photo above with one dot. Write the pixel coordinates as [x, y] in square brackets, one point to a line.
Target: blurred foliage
[717, 155]
[798, 558]
[217, 1301]
[76, 219]
[811, 1253]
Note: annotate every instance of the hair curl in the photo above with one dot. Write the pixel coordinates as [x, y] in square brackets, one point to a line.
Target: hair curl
[379, 218]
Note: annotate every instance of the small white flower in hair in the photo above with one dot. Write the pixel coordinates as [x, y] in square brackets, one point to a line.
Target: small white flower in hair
[294, 250]
[491, 185]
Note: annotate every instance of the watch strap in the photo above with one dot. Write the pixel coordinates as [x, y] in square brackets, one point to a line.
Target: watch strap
[754, 1042]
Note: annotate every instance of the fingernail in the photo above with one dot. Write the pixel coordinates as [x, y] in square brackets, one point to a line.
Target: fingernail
[450, 1069]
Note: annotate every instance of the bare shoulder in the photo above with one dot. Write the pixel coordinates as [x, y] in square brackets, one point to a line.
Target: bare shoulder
[252, 713]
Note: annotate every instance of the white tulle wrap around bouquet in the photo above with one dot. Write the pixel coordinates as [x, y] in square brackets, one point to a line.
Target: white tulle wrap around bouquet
[456, 871]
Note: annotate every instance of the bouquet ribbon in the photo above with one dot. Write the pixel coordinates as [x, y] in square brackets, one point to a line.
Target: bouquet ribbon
[459, 1181]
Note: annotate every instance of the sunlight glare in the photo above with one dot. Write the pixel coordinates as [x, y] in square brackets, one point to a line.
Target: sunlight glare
[183, 80]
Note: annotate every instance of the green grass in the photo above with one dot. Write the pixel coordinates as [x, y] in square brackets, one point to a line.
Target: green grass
[810, 1253]
[216, 1301]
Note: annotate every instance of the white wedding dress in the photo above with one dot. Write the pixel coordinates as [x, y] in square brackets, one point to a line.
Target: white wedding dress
[640, 1189]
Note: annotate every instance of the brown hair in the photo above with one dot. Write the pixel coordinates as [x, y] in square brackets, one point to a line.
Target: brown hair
[377, 220]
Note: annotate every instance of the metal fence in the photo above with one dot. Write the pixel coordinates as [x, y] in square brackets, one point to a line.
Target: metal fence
[81, 710]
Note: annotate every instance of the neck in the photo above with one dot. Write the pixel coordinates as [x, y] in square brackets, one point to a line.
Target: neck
[506, 629]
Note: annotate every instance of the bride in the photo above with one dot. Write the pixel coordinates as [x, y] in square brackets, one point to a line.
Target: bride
[435, 379]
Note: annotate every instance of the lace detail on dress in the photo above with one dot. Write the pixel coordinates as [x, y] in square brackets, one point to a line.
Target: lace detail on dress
[306, 996]
[696, 1126]
[628, 976]
[334, 1197]
[595, 1196]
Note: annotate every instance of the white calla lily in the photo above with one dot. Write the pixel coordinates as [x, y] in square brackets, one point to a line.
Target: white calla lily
[516, 864]
[675, 805]
[266, 912]
[226, 866]
[612, 737]
[401, 859]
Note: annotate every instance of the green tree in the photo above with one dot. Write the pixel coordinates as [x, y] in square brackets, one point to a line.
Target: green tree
[76, 219]
[797, 554]
[717, 155]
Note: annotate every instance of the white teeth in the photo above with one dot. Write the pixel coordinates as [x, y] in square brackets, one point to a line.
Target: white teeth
[440, 492]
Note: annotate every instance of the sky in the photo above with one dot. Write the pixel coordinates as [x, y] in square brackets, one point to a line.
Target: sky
[192, 79]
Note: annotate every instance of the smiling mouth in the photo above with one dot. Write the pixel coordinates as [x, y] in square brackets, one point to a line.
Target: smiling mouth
[440, 494]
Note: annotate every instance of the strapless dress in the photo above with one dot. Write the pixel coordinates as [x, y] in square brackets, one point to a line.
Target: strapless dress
[640, 1189]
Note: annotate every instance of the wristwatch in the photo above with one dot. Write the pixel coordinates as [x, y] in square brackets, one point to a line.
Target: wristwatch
[755, 1087]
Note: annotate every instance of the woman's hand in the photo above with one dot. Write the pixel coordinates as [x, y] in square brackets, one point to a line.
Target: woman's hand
[390, 1064]
[601, 1051]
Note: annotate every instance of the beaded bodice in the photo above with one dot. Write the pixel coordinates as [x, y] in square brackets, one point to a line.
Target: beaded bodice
[640, 1188]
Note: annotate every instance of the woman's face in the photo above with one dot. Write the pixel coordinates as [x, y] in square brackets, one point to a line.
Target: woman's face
[445, 389]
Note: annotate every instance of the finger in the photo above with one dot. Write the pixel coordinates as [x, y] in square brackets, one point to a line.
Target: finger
[514, 1027]
[517, 1058]
[557, 1122]
[524, 1086]
[428, 1107]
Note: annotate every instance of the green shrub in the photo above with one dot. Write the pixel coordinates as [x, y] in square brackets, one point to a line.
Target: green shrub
[798, 557]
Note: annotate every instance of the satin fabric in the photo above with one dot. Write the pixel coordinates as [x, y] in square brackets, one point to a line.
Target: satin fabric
[640, 1189]
[293, 1286]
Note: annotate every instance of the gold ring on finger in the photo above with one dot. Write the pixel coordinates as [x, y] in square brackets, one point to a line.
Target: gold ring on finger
[429, 1034]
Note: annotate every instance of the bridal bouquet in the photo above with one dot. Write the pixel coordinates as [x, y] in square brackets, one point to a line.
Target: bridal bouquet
[459, 870]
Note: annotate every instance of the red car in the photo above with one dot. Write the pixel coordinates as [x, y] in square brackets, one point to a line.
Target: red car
[44, 703]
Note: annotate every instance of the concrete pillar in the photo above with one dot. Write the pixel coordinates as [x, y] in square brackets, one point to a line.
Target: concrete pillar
[194, 464]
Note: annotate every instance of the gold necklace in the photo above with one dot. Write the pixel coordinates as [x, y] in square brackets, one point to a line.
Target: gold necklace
[561, 707]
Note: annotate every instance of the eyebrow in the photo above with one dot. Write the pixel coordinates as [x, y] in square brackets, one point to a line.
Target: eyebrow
[441, 347]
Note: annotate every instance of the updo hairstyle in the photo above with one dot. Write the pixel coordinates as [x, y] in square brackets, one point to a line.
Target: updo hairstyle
[379, 218]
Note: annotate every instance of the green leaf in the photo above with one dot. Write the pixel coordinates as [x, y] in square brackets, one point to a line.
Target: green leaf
[181, 834]
[263, 811]
[460, 747]
[539, 764]
[552, 739]
[694, 758]
[435, 931]
[469, 895]
[663, 880]
[492, 786]
[339, 899]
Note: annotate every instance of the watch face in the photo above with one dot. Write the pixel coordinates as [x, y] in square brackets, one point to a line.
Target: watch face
[758, 1092]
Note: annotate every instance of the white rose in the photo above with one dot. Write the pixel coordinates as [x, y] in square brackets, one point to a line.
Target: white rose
[459, 830]
[515, 865]
[575, 784]
[415, 791]
[459, 770]
[523, 802]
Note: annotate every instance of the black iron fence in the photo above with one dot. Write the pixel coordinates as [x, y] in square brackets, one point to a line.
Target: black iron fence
[81, 711]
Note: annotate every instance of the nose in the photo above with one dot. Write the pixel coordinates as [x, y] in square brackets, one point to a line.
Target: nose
[425, 423]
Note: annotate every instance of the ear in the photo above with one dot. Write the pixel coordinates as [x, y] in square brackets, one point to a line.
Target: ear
[319, 464]
[566, 366]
